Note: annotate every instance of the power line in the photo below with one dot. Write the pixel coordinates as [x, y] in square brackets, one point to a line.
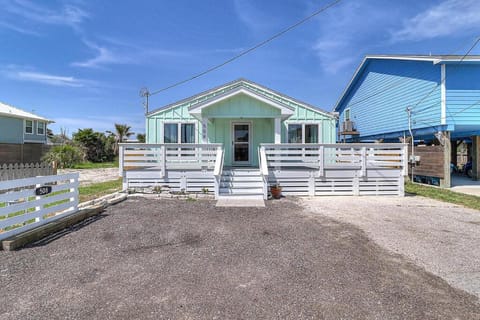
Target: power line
[442, 81]
[241, 54]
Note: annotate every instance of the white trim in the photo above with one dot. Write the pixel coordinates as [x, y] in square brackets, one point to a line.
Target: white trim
[25, 126]
[179, 130]
[250, 142]
[44, 128]
[278, 130]
[197, 109]
[204, 130]
[303, 123]
[443, 94]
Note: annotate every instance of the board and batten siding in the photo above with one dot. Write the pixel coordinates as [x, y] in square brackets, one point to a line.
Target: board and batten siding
[386, 87]
[463, 94]
[154, 123]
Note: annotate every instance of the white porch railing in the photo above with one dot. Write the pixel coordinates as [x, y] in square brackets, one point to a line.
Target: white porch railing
[162, 157]
[31, 202]
[347, 169]
[217, 172]
[262, 163]
[335, 156]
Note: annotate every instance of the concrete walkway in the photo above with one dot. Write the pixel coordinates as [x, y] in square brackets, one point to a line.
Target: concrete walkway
[465, 185]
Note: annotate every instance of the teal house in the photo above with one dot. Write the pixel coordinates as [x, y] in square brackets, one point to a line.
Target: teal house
[240, 115]
[244, 141]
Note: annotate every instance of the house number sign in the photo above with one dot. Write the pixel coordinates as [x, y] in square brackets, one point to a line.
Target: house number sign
[43, 190]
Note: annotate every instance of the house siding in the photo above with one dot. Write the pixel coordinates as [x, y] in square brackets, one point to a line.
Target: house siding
[385, 88]
[11, 130]
[34, 137]
[463, 94]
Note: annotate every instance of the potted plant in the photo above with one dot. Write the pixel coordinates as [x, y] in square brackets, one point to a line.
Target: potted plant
[276, 191]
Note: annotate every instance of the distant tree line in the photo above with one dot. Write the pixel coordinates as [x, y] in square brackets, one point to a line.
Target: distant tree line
[87, 145]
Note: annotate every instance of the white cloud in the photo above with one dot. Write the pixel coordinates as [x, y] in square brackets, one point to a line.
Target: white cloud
[444, 19]
[24, 74]
[249, 13]
[25, 15]
[118, 51]
[104, 56]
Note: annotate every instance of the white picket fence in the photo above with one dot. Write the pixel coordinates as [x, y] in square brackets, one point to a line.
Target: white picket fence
[26, 170]
[28, 203]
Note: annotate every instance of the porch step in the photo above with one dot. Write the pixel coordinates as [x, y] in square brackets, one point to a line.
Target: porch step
[241, 182]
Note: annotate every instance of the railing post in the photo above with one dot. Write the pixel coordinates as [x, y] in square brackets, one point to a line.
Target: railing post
[405, 160]
[120, 161]
[364, 162]
[163, 156]
[321, 161]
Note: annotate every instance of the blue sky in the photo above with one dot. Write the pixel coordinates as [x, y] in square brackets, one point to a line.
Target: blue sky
[82, 63]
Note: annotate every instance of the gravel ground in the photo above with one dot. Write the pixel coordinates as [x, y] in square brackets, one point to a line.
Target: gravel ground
[441, 237]
[176, 259]
[90, 176]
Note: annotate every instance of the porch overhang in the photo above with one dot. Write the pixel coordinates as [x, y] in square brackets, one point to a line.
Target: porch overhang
[285, 111]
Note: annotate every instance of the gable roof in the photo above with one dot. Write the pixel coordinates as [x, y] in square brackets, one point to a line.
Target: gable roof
[435, 59]
[243, 85]
[13, 112]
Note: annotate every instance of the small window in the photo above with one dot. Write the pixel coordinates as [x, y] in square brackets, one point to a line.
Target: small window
[170, 133]
[179, 133]
[41, 128]
[347, 114]
[294, 133]
[187, 133]
[311, 133]
[29, 126]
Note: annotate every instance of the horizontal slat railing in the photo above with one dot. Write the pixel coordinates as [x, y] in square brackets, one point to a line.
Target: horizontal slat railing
[335, 156]
[22, 209]
[167, 156]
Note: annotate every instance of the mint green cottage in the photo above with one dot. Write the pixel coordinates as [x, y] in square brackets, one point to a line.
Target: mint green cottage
[240, 115]
[241, 140]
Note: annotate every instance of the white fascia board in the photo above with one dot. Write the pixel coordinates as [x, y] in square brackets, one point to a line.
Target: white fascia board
[197, 109]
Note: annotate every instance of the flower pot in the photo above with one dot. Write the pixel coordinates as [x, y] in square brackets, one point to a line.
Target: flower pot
[276, 192]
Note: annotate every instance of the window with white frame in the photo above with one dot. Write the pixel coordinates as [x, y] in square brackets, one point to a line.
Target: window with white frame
[41, 128]
[29, 126]
[303, 133]
[347, 114]
[179, 133]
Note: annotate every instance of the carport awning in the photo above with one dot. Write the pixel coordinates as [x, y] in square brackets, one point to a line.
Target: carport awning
[214, 108]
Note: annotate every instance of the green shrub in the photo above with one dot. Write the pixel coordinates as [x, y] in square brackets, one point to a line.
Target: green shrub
[65, 156]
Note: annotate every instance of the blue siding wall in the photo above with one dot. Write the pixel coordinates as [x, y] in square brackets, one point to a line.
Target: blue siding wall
[385, 88]
[11, 130]
[463, 94]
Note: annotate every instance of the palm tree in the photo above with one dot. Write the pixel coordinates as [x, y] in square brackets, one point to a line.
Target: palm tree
[122, 132]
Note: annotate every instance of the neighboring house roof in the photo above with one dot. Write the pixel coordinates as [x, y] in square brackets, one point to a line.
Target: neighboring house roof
[247, 86]
[11, 111]
[435, 59]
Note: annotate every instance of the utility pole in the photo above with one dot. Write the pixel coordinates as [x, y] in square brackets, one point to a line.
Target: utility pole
[412, 157]
[144, 93]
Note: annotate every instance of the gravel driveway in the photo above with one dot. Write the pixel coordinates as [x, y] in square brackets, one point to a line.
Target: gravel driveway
[442, 238]
[176, 259]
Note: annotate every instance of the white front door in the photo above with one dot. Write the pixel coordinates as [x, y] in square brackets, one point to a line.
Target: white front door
[241, 143]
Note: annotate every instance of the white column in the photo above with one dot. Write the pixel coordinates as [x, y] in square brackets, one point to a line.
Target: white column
[204, 130]
[443, 94]
[278, 131]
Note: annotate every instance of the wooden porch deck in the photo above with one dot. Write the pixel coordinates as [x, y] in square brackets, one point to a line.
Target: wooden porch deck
[301, 169]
